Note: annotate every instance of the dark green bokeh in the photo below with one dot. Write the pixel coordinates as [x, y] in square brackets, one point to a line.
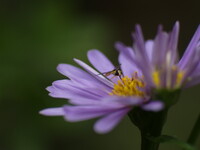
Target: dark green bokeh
[35, 36]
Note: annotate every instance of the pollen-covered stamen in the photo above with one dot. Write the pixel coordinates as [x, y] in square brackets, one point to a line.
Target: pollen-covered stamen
[156, 78]
[173, 78]
[129, 87]
[179, 79]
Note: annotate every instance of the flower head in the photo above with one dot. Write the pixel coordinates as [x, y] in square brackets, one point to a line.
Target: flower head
[111, 92]
[158, 59]
[92, 94]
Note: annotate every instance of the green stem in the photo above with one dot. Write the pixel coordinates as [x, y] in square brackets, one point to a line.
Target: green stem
[147, 144]
[195, 132]
[150, 125]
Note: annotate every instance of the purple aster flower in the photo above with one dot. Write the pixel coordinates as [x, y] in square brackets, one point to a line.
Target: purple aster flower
[105, 93]
[101, 93]
[158, 59]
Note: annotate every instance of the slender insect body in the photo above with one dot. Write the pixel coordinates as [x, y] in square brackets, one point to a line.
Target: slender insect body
[115, 72]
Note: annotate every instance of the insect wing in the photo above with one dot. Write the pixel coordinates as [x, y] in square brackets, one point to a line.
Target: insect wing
[109, 73]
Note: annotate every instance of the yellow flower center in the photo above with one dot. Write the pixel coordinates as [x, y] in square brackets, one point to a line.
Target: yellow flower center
[129, 87]
[173, 78]
[156, 78]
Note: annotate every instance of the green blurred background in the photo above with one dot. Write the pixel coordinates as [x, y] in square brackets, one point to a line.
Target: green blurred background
[35, 36]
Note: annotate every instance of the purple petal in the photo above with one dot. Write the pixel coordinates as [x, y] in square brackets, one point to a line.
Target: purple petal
[140, 45]
[108, 122]
[189, 52]
[94, 73]
[72, 72]
[160, 47]
[153, 106]
[123, 101]
[174, 36]
[76, 97]
[126, 59]
[149, 49]
[193, 66]
[79, 76]
[67, 88]
[52, 111]
[173, 42]
[100, 61]
[193, 81]
[196, 71]
[79, 113]
[57, 93]
[83, 101]
[127, 51]
[142, 58]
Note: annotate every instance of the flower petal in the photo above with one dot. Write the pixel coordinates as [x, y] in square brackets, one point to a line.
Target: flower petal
[72, 72]
[70, 92]
[143, 61]
[52, 111]
[75, 96]
[160, 48]
[173, 42]
[69, 86]
[193, 81]
[108, 122]
[193, 66]
[80, 113]
[153, 106]
[79, 76]
[100, 61]
[140, 45]
[149, 49]
[57, 93]
[79, 96]
[83, 101]
[94, 73]
[196, 71]
[127, 51]
[190, 51]
[126, 59]
[121, 101]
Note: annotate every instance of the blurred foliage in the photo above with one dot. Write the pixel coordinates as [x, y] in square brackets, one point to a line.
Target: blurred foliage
[35, 36]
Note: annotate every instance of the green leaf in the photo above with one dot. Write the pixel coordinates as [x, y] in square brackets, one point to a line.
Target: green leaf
[172, 140]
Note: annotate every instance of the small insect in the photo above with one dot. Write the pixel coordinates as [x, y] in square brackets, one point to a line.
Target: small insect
[115, 72]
